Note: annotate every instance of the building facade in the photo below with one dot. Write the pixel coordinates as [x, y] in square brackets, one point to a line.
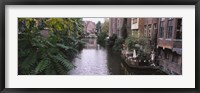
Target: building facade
[128, 26]
[137, 25]
[112, 26]
[119, 26]
[169, 44]
[150, 31]
[89, 27]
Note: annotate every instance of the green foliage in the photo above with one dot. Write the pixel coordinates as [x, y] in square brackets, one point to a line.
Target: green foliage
[53, 54]
[105, 26]
[143, 47]
[130, 42]
[111, 40]
[102, 38]
[98, 26]
[133, 40]
[144, 43]
[118, 44]
[42, 65]
[103, 34]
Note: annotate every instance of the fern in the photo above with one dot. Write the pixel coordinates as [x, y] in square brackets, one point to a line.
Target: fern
[66, 47]
[23, 53]
[63, 46]
[50, 69]
[27, 64]
[42, 66]
[54, 52]
[49, 43]
[66, 63]
[61, 69]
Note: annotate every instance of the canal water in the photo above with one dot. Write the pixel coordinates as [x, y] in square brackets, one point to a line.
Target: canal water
[94, 59]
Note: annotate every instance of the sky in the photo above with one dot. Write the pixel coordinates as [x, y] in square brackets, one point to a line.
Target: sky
[94, 19]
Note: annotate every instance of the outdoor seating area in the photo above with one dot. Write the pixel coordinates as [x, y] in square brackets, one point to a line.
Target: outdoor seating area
[136, 59]
[130, 57]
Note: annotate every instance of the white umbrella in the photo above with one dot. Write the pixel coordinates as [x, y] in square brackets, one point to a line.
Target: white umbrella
[152, 56]
[127, 50]
[134, 54]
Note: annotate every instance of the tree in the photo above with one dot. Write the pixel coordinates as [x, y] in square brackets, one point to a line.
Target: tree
[98, 27]
[103, 34]
[105, 26]
[47, 55]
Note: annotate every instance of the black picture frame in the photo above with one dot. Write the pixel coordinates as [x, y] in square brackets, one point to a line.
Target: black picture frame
[3, 3]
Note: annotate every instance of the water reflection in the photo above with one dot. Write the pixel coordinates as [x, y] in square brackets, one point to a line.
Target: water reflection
[92, 60]
[97, 60]
[114, 62]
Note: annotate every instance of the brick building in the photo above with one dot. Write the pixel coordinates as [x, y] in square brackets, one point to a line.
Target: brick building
[128, 26]
[89, 27]
[112, 26]
[169, 44]
[137, 25]
[118, 25]
[151, 30]
[123, 26]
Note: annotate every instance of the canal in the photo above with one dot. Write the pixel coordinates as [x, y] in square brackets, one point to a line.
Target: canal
[94, 59]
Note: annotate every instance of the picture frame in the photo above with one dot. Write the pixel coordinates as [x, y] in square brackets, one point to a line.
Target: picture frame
[98, 2]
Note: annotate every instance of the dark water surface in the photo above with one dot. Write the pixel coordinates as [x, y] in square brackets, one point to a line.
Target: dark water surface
[96, 60]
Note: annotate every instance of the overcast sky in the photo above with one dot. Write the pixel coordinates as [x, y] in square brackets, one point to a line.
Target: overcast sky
[94, 19]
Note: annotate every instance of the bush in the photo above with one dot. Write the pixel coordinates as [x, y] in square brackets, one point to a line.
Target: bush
[118, 44]
[111, 40]
[129, 42]
[102, 38]
[51, 52]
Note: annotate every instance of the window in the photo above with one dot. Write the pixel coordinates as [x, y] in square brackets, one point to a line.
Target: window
[155, 26]
[149, 35]
[145, 27]
[149, 26]
[149, 30]
[134, 20]
[179, 29]
[161, 29]
[169, 28]
[162, 19]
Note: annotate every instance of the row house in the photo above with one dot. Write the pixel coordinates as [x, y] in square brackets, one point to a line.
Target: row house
[137, 25]
[128, 26]
[118, 25]
[151, 30]
[169, 44]
[112, 26]
[123, 24]
[89, 27]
